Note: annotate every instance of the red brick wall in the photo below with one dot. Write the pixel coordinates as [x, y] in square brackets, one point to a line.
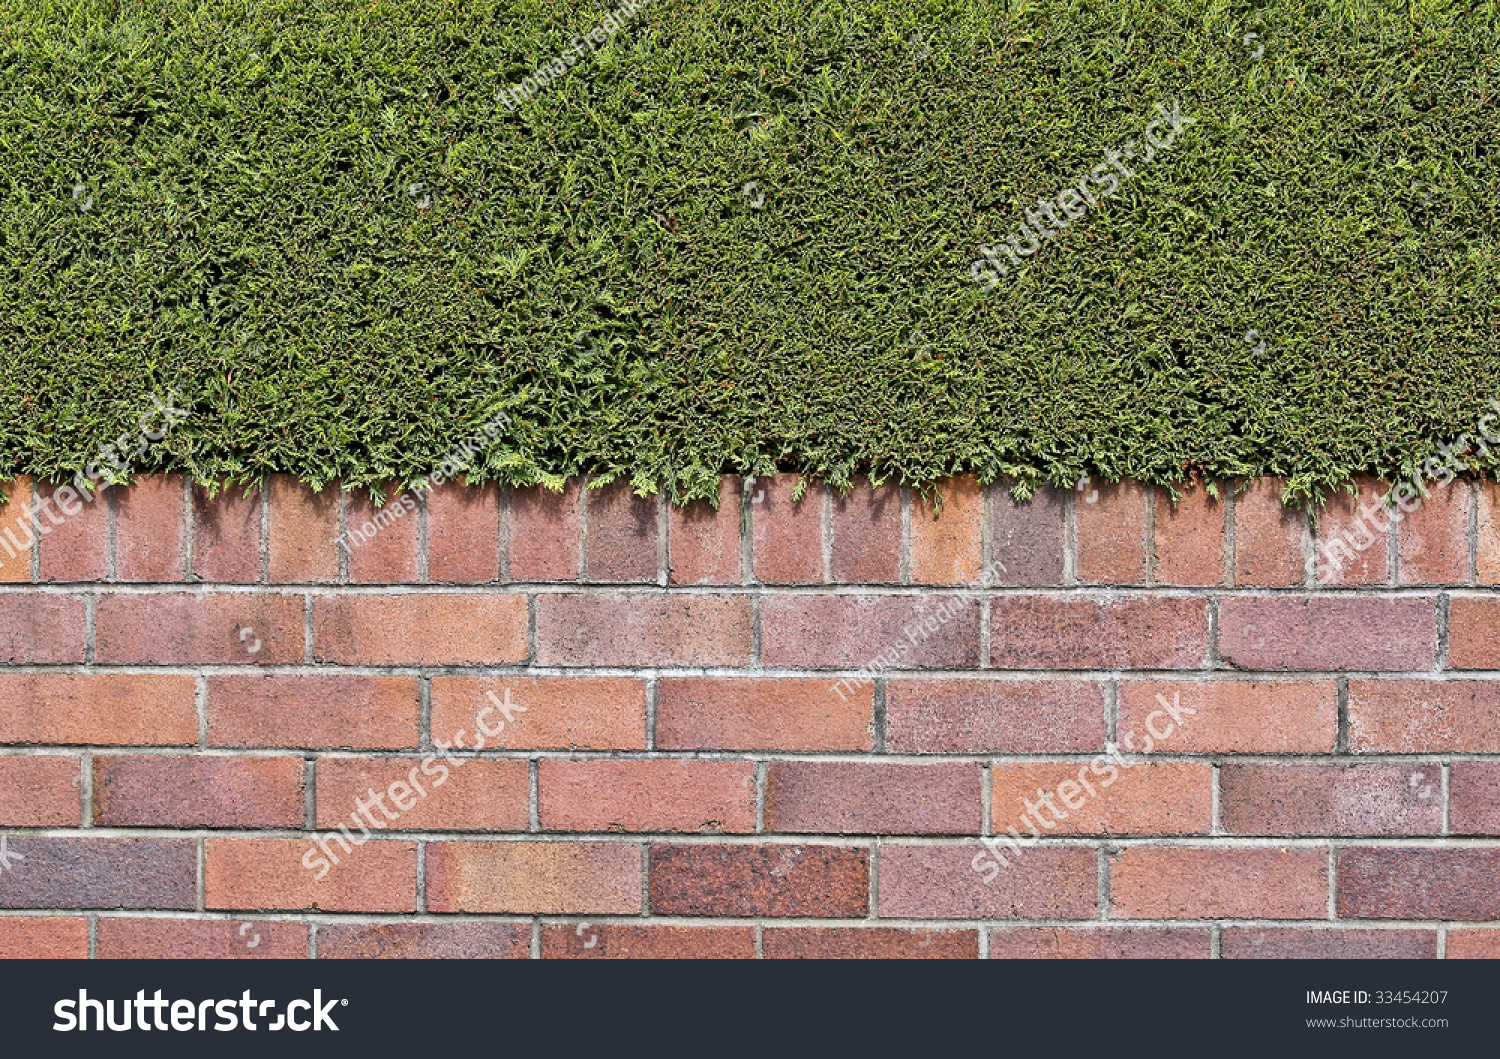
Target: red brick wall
[195, 690]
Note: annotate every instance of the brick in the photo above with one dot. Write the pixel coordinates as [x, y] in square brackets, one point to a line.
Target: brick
[745, 713]
[869, 798]
[226, 535]
[703, 880]
[44, 938]
[1474, 798]
[697, 796]
[642, 630]
[189, 628]
[151, 529]
[477, 795]
[1148, 882]
[424, 941]
[15, 532]
[704, 541]
[303, 529]
[845, 632]
[942, 882]
[945, 546]
[1143, 799]
[74, 533]
[786, 538]
[100, 873]
[1322, 943]
[1098, 632]
[463, 533]
[1233, 716]
[545, 532]
[1433, 539]
[619, 941]
[1268, 537]
[1189, 544]
[561, 713]
[382, 552]
[1487, 550]
[867, 534]
[1331, 799]
[106, 709]
[1345, 632]
[41, 629]
[1481, 944]
[1351, 537]
[1006, 716]
[200, 939]
[273, 874]
[1450, 884]
[1099, 943]
[1424, 716]
[622, 534]
[40, 790]
[1473, 633]
[534, 878]
[373, 713]
[1111, 532]
[1027, 538]
[139, 790]
[869, 943]
[428, 628]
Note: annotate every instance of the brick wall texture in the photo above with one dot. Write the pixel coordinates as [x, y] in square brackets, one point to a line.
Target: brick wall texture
[525, 724]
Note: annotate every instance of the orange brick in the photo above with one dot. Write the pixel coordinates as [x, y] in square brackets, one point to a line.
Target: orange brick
[15, 532]
[44, 938]
[757, 714]
[39, 791]
[1473, 636]
[538, 878]
[1111, 524]
[1434, 535]
[226, 534]
[622, 533]
[1351, 549]
[544, 533]
[1143, 799]
[107, 709]
[1424, 716]
[1478, 944]
[945, 548]
[864, 797]
[1099, 943]
[704, 541]
[699, 796]
[1487, 551]
[1149, 882]
[74, 543]
[273, 874]
[312, 711]
[642, 629]
[867, 533]
[200, 939]
[421, 629]
[1268, 538]
[475, 795]
[1189, 537]
[304, 526]
[382, 542]
[786, 537]
[463, 533]
[561, 713]
[151, 529]
[1233, 716]
[186, 628]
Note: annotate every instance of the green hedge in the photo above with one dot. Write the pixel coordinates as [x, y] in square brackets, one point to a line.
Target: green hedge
[316, 224]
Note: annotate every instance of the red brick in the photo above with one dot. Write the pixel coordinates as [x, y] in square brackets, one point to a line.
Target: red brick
[99, 873]
[534, 878]
[729, 713]
[1268, 537]
[272, 874]
[1474, 798]
[189, 628]
[1232, 716]
[545, 531]
[41, 629]
[704, 541]
[44, 938]
[1482, 944]
[1323, 943]
[1189, 545]
[1487, 552]
[869, 943]
[15, 532]
[226, 535]
[463, 533]
[1331, 799]
[642, 630]
[786, 537]
[304, 526]
[869, 798]
[1419, 883]
[376, 713]
[622, 534]
[39, 790]
[1351, 545]
[1148, 882]
[703, 796]
[1111, 532]
[1098, 632]
[945, 546]
[1474, 633]
[1009, 716]
[1027, 538]
[560, 713]
[140, 790]
[1434, 537]
[1143, 799]
[383, 552]
[200, 939]
[428, 628]
[424, 941]
[844, 632]
[702, 880]
[943, 882]
[867, 533]
[1327, 632]
[620, 941]
[1099, 943]
[475, 795]
[1424, 716]
[151, 530]
[106, 709]
[74, 547]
